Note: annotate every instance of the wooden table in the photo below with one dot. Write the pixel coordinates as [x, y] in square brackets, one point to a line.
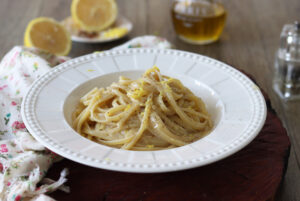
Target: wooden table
[249, 42]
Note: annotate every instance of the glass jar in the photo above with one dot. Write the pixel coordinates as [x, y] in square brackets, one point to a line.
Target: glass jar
[198, 21]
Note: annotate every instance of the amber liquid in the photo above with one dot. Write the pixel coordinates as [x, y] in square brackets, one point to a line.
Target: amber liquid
[198, 22]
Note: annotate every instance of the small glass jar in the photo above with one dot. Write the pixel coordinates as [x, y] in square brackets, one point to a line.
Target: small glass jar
[286, 82]
[198, 21]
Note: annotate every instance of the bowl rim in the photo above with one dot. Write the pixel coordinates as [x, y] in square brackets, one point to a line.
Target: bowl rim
[31, 122]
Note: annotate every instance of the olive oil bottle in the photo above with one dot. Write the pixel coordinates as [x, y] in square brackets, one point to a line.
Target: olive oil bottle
[198, 22]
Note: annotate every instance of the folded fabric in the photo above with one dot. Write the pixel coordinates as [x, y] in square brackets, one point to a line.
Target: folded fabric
[24, 161]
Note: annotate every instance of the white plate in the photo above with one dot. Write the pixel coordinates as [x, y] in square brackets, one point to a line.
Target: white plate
[235, 102]
[121, 22]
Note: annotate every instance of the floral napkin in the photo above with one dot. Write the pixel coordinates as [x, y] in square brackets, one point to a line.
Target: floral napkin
[24, 161]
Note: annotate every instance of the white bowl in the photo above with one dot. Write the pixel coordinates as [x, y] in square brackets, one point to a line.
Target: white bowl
[235, 103]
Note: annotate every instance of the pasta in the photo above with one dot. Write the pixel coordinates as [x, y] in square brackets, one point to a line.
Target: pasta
[151, 113]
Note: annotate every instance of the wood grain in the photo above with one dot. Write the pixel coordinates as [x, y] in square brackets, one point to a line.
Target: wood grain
[249, 42]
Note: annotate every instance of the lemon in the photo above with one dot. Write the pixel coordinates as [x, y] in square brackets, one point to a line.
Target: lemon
[94, 15]
[115, 32]
[48, 35]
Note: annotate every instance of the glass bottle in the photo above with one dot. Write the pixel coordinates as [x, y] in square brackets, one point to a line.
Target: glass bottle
[286, 81]
[198, 21]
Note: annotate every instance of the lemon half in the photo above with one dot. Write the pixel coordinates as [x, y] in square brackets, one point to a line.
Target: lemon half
[94, 15]
[48, 35]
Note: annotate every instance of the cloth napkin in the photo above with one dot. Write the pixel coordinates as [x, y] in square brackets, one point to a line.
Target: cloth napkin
[24, 161]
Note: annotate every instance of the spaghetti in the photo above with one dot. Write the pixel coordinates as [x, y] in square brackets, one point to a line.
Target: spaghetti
[151, 113]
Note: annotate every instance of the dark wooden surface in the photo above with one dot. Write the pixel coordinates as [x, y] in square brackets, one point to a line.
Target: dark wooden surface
[249, 42]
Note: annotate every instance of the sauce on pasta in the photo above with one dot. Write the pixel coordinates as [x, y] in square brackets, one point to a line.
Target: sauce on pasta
[151, 113]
